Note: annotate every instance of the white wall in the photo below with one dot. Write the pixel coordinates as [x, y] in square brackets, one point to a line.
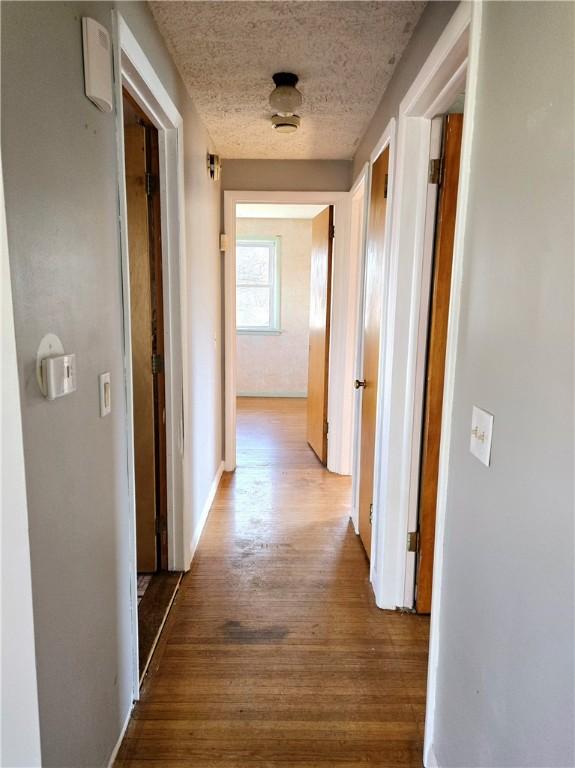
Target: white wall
[278, 364]
[60, 174]
[506, 661]
[20, 726]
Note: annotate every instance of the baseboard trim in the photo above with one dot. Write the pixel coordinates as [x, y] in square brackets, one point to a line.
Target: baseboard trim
[116, 749]
[271, 394]
[205, 512]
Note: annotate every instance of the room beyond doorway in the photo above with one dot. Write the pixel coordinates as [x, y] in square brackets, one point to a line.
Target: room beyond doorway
[338, 402]
[284, 258]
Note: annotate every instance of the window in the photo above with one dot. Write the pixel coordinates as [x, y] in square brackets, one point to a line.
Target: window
[257, 286]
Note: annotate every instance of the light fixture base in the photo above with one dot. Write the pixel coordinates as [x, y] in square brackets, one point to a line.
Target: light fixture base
[285, 123]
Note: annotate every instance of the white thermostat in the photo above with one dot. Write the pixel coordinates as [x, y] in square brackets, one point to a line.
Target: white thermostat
[59, 376]
[97, 64]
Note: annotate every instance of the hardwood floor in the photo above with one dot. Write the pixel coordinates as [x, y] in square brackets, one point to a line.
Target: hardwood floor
[274, 653]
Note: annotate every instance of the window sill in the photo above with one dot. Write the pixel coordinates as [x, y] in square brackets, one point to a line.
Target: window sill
[259, 332]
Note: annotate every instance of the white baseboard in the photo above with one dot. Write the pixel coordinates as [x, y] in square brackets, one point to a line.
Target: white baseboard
[205, 512]
[116, 749]
[272, 394]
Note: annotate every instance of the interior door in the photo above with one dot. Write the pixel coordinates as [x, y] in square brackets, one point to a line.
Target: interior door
[141, 335]
[371, 334]
[320, 309]
[435, 371]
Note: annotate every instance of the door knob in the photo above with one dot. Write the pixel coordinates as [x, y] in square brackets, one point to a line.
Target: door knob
[358, 384]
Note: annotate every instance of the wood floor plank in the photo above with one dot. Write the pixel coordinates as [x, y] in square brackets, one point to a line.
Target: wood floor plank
[274, 653]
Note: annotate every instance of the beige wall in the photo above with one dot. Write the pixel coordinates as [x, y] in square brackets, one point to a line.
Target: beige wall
[287, 175]
[277, 364]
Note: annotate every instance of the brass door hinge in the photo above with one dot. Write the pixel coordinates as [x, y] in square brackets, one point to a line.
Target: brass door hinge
[385, 185]
[332, 232]
[435, 175]
[157, 364]
[412, 541]
[326, 427]
[371, 513]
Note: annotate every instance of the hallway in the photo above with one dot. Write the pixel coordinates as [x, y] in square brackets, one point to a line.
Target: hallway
[274, 653]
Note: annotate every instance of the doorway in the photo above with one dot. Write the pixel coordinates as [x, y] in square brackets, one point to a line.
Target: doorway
[283, 315]
[332, 410]
[444, 176]
[156, 585]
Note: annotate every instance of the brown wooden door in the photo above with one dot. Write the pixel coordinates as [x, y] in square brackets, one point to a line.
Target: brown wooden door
[371, 333]
[319, 328]
[147, 335]
[141, 320]
[437, 341]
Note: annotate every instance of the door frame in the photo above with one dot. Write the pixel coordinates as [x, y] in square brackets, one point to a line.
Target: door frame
[138, 77]
[340, 398]
[442, 76]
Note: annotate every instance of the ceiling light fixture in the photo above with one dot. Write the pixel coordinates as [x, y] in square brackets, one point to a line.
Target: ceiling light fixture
[285, 99]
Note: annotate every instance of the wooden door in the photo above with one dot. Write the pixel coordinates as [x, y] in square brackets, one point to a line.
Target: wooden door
[141, 325]
[435, 371]
[147, 334]
[319, 328]
[371, 333]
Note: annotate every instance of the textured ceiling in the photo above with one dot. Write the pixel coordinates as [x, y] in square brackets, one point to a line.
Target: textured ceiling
[344, 53]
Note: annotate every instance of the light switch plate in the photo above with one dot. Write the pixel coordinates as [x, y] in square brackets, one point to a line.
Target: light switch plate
[481, 432]
[105, 385]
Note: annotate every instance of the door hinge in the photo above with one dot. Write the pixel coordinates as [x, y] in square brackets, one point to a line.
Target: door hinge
[150, 184]
[385, 185]
[332, 232]
[412, 541]
[325, 427]
[157, 364]
[371, 513]
[435, 175]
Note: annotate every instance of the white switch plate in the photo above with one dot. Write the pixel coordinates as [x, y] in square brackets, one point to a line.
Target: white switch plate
[481, 432]
[105, 385]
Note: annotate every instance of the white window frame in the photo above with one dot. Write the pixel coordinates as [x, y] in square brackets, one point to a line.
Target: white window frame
[274, 327]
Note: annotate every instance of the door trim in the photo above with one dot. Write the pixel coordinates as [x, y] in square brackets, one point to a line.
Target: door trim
[340, 397]
[139, 78]
[442, 77]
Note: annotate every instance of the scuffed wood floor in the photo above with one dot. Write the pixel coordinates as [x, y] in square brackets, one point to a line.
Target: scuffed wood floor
[274, 653]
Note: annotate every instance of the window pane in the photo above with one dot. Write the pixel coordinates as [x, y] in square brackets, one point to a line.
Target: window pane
[253, 264]
[253, 307]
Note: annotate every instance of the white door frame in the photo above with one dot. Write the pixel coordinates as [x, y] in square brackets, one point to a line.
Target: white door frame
[139, 78]
[359, 202]
[441, 78]
[340, 394]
